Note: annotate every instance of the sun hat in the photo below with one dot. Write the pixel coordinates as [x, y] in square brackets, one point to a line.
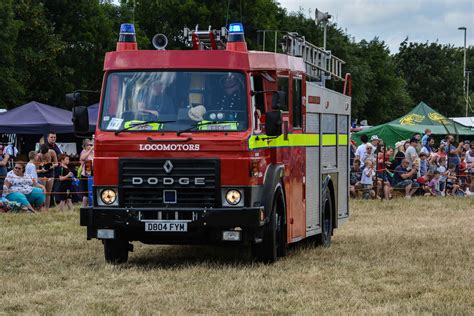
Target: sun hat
[400, 143]
[196, 113]
[374, 137]
[229, 81]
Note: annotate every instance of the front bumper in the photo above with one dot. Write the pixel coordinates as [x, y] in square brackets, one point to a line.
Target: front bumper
[205, 227]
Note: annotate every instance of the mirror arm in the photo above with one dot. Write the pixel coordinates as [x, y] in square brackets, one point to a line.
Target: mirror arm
[87, 91]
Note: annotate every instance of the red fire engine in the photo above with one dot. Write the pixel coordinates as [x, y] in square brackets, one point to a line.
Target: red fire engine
[218, 145]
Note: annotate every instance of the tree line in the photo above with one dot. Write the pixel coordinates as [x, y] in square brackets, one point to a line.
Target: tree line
[49, 48]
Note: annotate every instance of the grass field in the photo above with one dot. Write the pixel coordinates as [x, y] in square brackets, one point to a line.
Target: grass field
[400, 256]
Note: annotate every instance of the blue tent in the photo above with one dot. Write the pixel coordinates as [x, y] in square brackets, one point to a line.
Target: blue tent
[36, 118]
[93, 111]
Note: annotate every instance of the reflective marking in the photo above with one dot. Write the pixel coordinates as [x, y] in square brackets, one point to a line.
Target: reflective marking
[296, 140]
[343, 139]
[329, 139]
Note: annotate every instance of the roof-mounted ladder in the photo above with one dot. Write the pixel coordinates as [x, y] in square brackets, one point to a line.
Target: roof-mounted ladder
[320, 63]
[206, 39]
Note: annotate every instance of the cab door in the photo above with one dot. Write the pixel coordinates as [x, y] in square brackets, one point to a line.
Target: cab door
[297, 156]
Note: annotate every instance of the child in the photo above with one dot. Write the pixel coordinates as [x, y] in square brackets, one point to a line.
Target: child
[30, 169]
[451, 180]
[423, 164]
[366, 180]
[443, 172]
[462, 172]
[65, 183]
[434, 185]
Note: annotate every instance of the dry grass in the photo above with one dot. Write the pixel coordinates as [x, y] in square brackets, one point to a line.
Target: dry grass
[391, 257]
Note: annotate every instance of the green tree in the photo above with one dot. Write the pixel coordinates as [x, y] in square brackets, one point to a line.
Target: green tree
[86, 29]
[379, 93]
[10, 89]
[169, 17]
[433, 73]
[36, 52]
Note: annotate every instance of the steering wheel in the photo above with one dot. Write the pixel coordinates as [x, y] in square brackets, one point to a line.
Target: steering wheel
[224, 115]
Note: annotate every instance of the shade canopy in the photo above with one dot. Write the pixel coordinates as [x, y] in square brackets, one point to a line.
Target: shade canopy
[416, 121]
[93, 111]
[36, 118]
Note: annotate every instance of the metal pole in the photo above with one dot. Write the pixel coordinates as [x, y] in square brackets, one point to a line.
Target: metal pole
[276, 32]
[464, 84]
[463, 28]
[324, 38]
[467, 88]
[264, 40]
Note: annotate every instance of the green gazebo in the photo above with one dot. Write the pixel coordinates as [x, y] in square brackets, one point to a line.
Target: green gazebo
[416, 121]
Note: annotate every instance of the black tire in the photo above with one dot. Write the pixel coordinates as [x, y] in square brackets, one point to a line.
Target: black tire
[268, 250]
[324, 239]
[281, 226]
[116, 251]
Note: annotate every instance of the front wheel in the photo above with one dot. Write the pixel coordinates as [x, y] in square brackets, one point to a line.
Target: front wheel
[116, 251]
[274, 234]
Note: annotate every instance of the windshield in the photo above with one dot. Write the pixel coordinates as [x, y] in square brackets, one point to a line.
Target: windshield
[175, 101]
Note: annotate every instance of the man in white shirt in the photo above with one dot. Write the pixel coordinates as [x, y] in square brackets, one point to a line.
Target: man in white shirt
[411, 154]
[360, 152]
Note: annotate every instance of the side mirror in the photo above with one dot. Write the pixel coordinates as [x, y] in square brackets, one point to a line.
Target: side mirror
[73, 99]
[80, 119]
[279, 100]
[273, 123]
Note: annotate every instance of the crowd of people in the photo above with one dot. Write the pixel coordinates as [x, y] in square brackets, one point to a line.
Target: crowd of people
[48, 173]
[417, 166]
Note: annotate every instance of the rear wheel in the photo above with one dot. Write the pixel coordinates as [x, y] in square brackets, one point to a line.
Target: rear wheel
[324, 239]
[116, 251]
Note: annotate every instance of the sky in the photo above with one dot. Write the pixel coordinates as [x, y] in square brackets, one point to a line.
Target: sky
[393, 20]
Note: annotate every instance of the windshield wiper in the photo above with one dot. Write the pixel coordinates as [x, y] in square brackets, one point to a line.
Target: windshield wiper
[193, 126]
[133, 125]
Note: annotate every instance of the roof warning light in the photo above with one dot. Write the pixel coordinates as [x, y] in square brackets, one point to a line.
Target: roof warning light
[236, 28]
[236, 38]
[127, 33]
[127, 38]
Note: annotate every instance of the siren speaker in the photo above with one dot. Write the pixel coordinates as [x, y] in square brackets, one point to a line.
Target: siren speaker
[159, 41]
[321, 16]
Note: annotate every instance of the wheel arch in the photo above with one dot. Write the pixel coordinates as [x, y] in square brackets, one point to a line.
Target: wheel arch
[273, 181]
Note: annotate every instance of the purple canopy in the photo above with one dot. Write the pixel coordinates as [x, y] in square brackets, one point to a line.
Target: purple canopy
[93, 111]
[36, 118]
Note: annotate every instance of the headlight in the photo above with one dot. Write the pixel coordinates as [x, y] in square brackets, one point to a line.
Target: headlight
[108, 196]
[233, 197]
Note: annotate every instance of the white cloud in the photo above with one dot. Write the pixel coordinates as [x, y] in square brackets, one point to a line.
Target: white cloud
[393, 20]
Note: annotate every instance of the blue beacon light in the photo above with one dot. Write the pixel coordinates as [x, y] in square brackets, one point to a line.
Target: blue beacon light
[236, 33]
[127, 33]
[236, 28]
[127, 28]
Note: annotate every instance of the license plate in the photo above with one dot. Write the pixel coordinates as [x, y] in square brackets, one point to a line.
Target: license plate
[166, 226]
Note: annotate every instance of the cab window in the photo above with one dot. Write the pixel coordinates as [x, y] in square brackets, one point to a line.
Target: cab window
[297, 112]
[283, 86]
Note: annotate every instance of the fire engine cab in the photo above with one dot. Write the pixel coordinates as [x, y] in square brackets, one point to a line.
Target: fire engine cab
[218, 145]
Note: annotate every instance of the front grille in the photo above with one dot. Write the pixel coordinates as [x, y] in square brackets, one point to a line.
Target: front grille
[195, 181]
